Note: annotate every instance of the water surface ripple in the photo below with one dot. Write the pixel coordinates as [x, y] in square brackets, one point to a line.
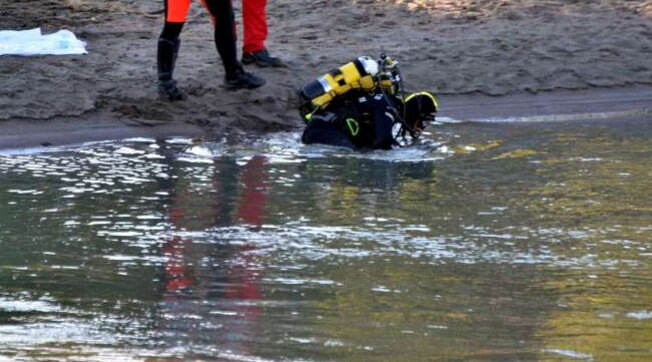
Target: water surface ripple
[487, 241]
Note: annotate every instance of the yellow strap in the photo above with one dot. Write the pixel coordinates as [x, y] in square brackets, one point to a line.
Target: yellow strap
[427, 94]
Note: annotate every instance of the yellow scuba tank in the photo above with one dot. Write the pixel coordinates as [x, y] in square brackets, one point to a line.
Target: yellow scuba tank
[358, 74]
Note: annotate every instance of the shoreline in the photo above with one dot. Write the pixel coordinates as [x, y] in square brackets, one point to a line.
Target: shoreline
[484, 58]
[62, 131]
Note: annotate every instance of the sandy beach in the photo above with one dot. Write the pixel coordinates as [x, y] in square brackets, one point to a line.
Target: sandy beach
[480, 54]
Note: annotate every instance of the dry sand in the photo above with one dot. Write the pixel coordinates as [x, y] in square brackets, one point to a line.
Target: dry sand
[599, 49]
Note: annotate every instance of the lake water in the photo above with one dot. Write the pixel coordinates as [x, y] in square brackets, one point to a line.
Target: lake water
[487, 241]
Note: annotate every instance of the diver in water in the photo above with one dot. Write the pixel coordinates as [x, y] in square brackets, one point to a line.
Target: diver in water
[360, 106]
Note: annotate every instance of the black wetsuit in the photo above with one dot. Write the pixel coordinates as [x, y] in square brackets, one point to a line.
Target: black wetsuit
[356, 120]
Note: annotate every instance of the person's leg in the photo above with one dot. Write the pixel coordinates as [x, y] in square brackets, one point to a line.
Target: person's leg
[254, 19]
[176, 10]
[235, 76]
[224, 32]
[168, 48]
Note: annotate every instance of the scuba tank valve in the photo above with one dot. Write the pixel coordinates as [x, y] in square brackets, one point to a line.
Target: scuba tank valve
[391, 83]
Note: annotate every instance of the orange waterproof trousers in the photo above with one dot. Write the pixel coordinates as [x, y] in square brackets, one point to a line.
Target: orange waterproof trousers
[254, 21]
[176, 11]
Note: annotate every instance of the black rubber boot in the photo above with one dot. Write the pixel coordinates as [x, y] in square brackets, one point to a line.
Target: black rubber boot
[166, 59]
[262, 59]
[239, 79]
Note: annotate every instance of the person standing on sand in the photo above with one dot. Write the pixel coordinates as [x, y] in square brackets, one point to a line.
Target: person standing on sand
[254, 21]
[168, 46]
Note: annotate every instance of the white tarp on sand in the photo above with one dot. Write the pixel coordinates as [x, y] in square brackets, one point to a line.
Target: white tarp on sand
[32, 42]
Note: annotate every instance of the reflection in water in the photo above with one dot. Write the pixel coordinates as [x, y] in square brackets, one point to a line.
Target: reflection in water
[211, 288]
[485, 242]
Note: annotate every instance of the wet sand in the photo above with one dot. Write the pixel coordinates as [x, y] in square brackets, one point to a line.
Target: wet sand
[485, 59]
